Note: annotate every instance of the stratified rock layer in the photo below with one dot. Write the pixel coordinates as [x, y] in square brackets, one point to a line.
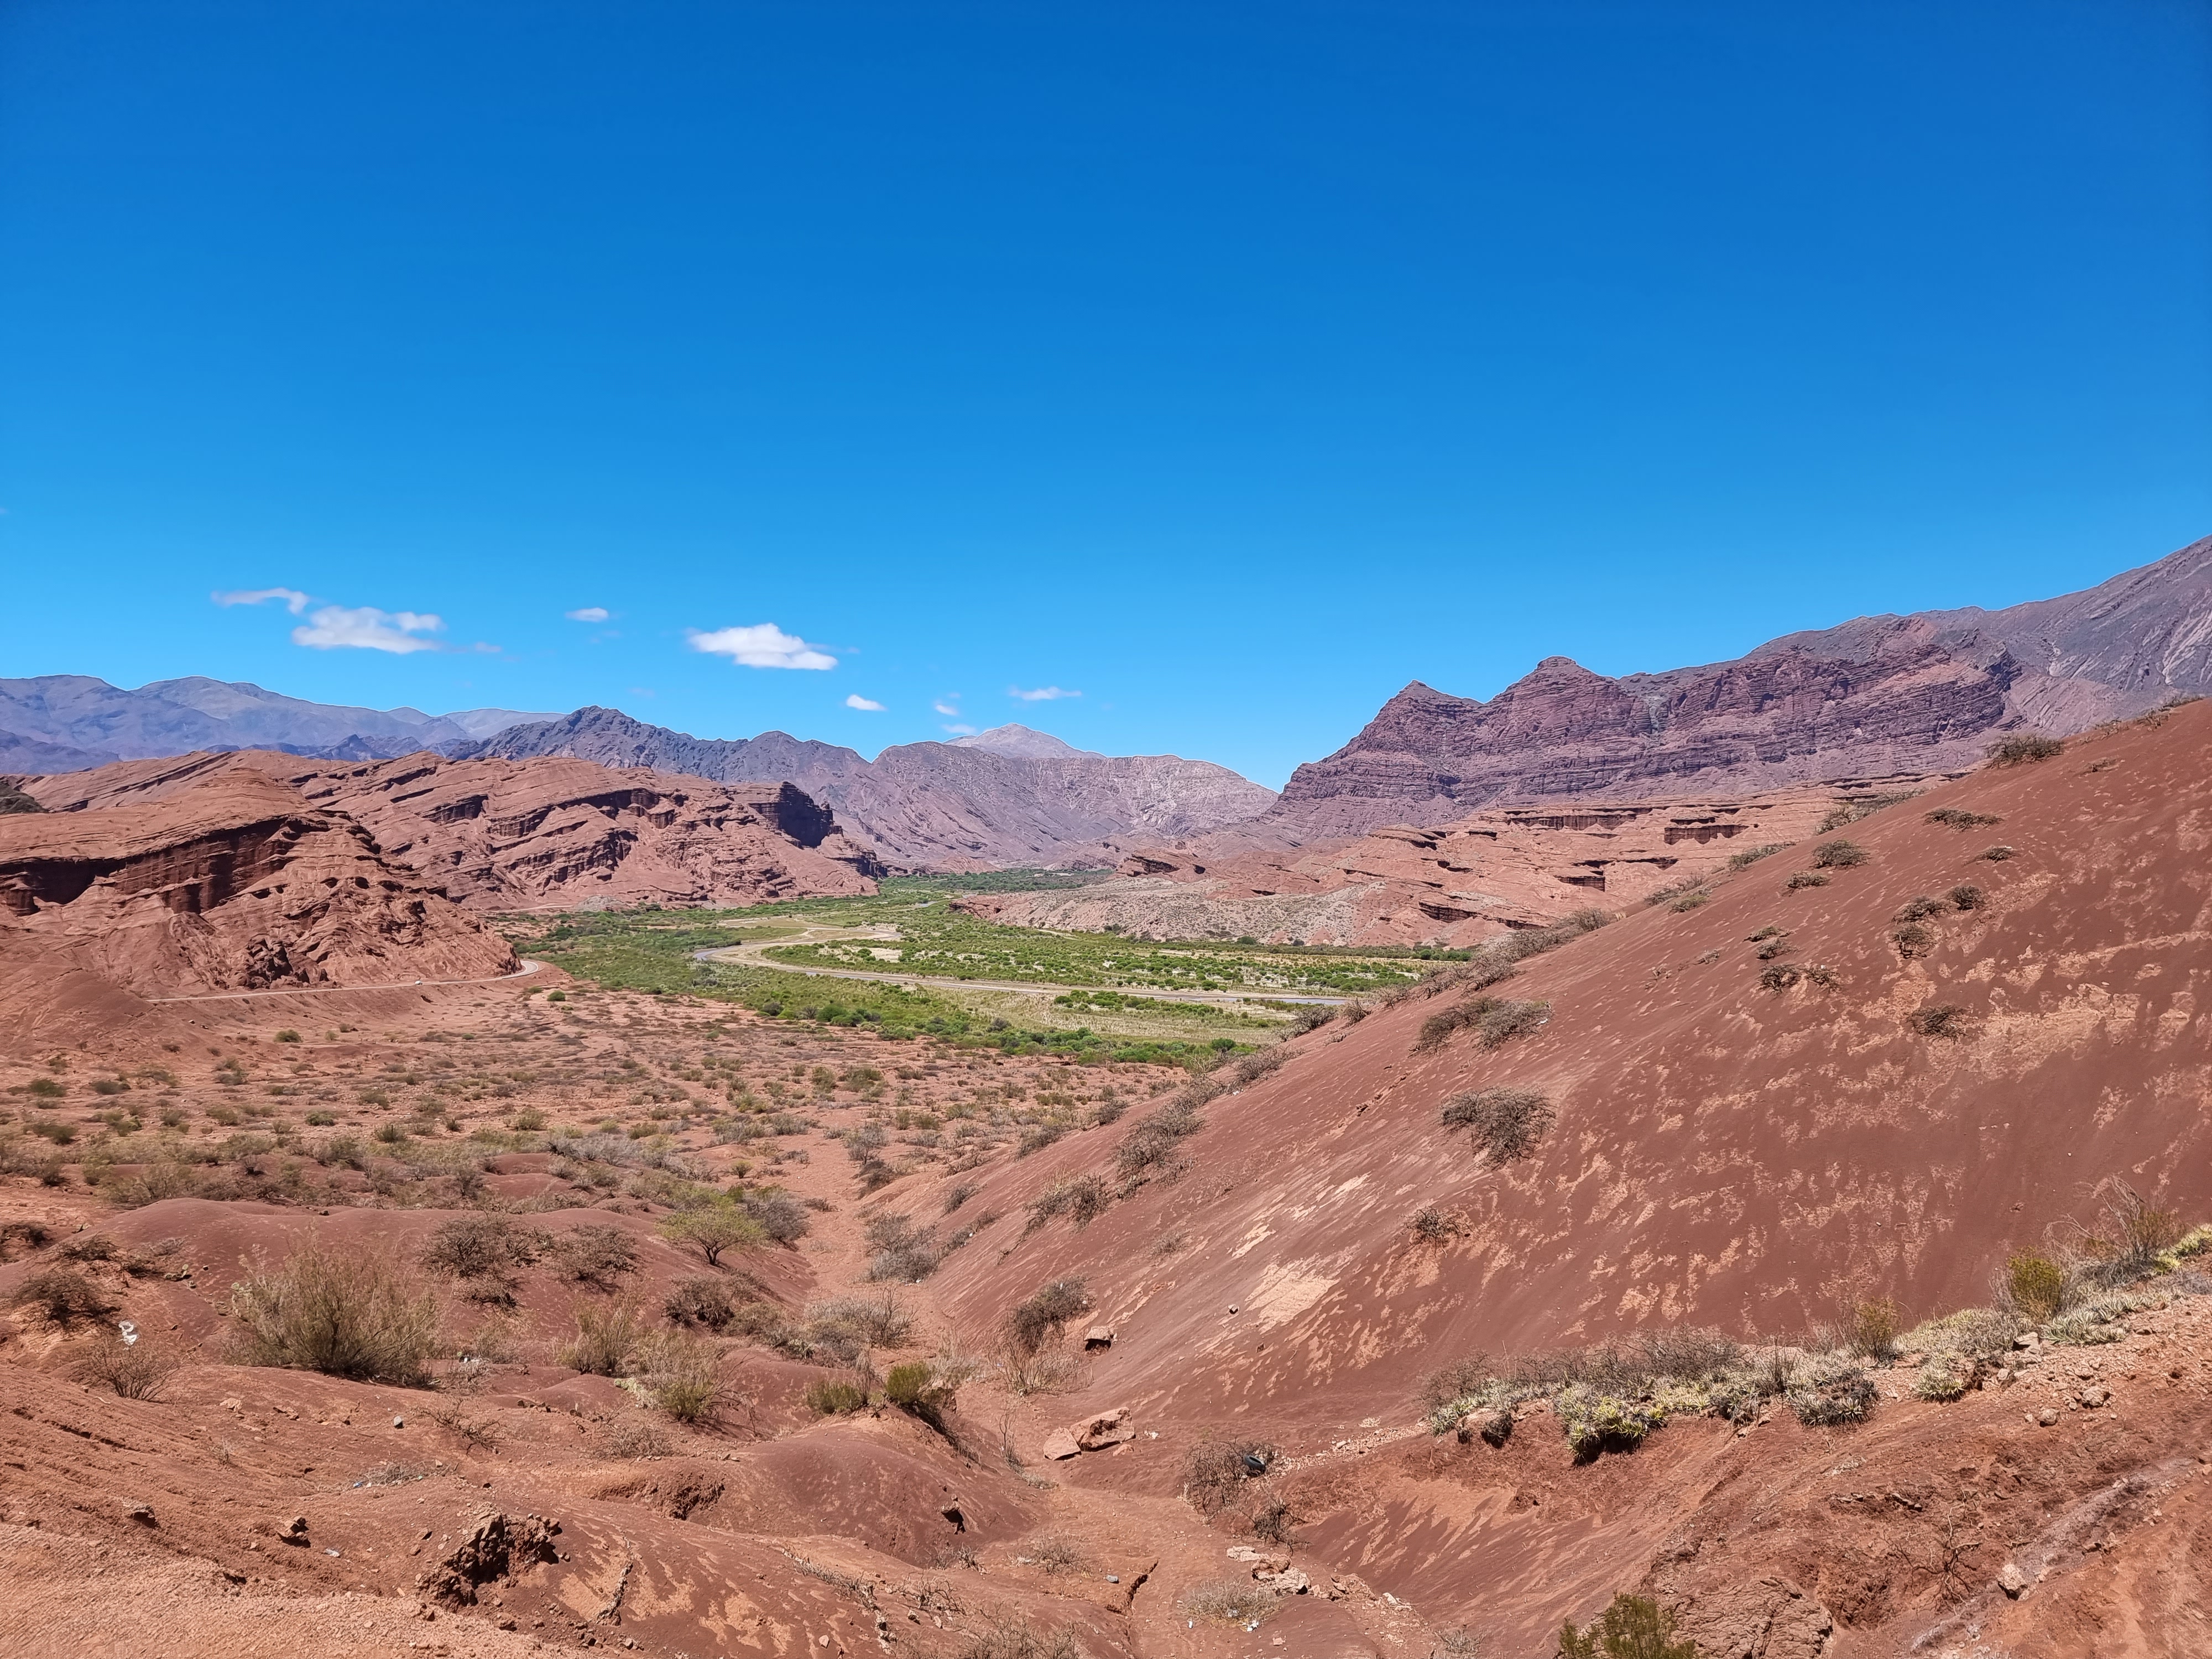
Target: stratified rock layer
[551, 833]
[235, 883]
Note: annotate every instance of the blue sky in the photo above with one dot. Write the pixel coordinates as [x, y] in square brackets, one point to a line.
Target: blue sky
[1228, 366]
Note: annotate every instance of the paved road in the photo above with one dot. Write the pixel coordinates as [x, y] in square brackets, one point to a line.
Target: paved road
[527, 968]
[751, 954]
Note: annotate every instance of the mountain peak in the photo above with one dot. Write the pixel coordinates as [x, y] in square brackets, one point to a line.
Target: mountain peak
[1021, 743]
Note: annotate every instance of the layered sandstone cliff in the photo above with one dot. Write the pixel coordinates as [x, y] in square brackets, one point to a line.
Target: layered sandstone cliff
[500, 835]
[235, 883]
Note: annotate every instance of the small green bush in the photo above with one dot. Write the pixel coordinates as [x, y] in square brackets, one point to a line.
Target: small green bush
[2035, 1284]
[1952, 817]
[1943, 1376]
[1633, 1627]
[1839, 854]
[1030, 1321]
[833, 1396]
[702, 1302]
[719, 1226]
[605, 1335]
[355, 1312]
[1806, 878]
[1597, 1422]
[288, 1035]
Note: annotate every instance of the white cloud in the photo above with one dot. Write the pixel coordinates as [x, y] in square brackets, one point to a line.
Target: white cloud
[365, 628]
[961, 730]
[294, 600]
[856, 701]
[589, 613]
[1043, 693]
[764, 645]
[950, 707]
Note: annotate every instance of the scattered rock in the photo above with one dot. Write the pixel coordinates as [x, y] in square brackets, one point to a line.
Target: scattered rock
[497, 1547]
[142, 1513]
[2094, 1397]
[2011, 1580]
[1092, 1433]
[293, 1531]
[1096, 1338]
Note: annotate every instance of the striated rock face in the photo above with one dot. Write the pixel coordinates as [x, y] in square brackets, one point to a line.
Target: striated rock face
[1467, 881]
[1877, 695]
[235, 883]
[1792, 717]
[938, 805]
[508, 835]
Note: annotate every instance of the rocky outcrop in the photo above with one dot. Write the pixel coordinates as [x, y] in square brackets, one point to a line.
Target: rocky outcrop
[1455, 885]
[501, 834]
[937, 805]
[1877, 695]
[235, 883]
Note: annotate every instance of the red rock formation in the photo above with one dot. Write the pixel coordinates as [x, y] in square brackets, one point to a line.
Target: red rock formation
[233, 884]
[938, 805]
[1879, 695]
[508, 835]
[1523, 867]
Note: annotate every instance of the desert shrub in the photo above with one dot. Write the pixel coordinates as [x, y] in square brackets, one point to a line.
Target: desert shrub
[1028, 1322]
[1496, 1019]
[1976, 1333]
[1690, 901]
[2023, 748]
[1595, 1421]
[64, 1297]
[1912, 941]
[1011, 1638]
[1967, 897]
[1082, 1199]
[1995, 855]
[1870, 1326]
[833, 1396]
[679, 1373]
[605, 1335]
[1953, 817]
[1255, 1066]
[2035, 1286]
[1944, 1375]
[1213, 1470]
[1153, 1141]
[902, 1250]
[1230, 1601]
[1506, 1123]
[1432, 1225]
[484, 1251]
[782, 1218]
[1460, 1379]
[1779, 977]
[596, 1257]
[2096, 1320]
[1945, 1020]
[355, 1312]
[1311, 1017]
[1914, 909]
[21, 1234]
[135, 1370]
[718, 1227]
[701, 1302]
[1832, 1389]
[881, 1321]
[1806, 878]
[1631, 1627]
[1751, 855]
[2133, 1236]
[1839, 854]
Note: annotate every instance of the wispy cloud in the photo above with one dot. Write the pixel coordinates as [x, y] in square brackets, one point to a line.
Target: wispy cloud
[294, 600]
[337, 627]
[589, 613]
[856, 701]
[961, 730]
[1043, 693]
[762, 645]
[950, 707]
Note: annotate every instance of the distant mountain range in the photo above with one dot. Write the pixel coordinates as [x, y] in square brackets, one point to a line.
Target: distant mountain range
[1879, 695]
[1009, 796]
[70, 722]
